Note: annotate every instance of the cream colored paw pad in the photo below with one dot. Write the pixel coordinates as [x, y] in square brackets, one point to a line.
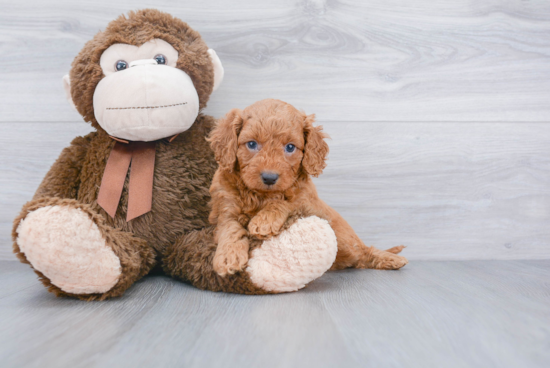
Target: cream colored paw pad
[67, 247]
[296, 257]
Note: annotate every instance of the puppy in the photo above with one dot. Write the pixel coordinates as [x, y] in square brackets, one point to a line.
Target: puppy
[267, 154]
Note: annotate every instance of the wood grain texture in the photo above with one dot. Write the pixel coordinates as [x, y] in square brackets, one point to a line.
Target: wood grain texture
[429, 314]
[455, 188]
[446, 190]
[348, 60]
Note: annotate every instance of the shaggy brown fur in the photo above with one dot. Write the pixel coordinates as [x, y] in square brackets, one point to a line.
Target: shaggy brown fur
[183, 170]
[242, 204]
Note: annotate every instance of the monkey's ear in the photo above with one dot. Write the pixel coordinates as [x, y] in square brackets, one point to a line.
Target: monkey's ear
[224, 139]
[67, 87]
[218, 69]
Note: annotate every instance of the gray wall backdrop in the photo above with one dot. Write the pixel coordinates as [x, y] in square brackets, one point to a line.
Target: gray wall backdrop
[438, 110]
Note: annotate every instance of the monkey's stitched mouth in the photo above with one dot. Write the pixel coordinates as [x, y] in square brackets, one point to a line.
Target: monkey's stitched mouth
[145, 107]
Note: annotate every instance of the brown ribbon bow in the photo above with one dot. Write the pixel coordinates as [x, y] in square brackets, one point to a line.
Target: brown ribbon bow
[140, 193]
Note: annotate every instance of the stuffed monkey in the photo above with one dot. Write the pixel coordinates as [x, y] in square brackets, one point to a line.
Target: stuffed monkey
[133, 195]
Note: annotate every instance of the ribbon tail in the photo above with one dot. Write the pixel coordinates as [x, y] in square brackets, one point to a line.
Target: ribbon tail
[113, 179]
[140, 196]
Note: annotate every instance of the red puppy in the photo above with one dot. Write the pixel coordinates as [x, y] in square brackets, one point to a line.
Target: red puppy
[266, 155]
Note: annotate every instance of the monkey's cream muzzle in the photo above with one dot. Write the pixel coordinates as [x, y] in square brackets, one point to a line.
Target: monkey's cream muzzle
[146, 102]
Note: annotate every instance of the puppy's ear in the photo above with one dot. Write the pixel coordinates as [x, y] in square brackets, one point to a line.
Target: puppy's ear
[223, 139]
[315, 149]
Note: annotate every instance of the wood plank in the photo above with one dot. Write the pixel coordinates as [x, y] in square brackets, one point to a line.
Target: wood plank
[349, 60]
[430, 314]
[447, 191]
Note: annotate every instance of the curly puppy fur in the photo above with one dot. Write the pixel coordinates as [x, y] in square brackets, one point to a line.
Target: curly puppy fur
[243, 204]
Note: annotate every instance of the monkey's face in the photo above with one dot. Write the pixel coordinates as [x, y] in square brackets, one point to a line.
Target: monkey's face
[143, 96]
[144, 78]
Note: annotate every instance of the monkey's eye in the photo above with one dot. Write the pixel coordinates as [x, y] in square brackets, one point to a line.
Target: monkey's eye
[252, 145]
[121, 65]
[161, 59]
[290, 148]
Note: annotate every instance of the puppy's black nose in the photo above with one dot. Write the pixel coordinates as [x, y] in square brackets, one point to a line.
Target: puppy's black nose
[269, 178]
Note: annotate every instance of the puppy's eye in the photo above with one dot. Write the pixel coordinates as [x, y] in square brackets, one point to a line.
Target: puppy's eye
[290, 148]
[161, 59]
[253, 146]
[121, 65]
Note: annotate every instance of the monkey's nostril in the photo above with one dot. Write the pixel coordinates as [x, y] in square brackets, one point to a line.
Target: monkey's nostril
[269, 178]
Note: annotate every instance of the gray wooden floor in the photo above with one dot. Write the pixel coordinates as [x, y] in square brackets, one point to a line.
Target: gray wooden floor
[430, 314]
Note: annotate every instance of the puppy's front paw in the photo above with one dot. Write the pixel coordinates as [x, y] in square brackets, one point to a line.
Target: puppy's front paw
[265, 225]
[230, 259]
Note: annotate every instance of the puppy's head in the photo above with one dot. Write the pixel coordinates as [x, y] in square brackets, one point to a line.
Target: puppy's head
[270, 145]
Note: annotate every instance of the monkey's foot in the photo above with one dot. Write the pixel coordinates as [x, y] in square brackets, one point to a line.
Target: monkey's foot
[294, 258]
[67, 247]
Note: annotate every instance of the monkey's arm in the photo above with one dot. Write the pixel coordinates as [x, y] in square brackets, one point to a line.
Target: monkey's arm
[63, 178]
